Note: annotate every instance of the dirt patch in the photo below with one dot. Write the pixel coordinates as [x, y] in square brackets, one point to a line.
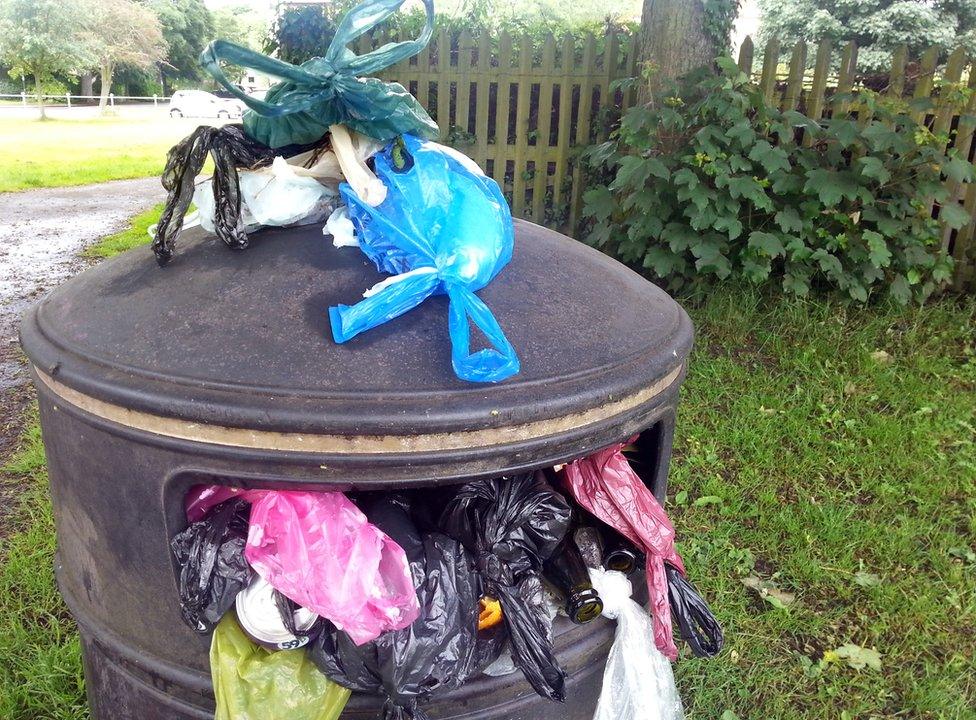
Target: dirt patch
[42, 233]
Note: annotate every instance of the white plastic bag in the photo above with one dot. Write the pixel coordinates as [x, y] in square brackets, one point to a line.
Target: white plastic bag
[637, 683]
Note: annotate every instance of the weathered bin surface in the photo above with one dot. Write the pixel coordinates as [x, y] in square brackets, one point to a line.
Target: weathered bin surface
[220, 368]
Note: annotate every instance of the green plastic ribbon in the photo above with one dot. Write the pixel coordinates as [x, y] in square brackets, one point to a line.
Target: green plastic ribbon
[331, 89]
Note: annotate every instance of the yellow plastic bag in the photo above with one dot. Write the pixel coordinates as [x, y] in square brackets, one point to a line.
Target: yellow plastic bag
[252, 683]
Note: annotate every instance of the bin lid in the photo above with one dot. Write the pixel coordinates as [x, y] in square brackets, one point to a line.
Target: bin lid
[235, 349]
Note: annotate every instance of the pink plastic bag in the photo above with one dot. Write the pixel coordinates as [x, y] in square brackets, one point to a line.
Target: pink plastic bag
[605, 484]
[318, 549]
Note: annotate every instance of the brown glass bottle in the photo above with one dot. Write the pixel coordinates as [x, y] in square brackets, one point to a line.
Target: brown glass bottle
[566, 570]
[618, 552]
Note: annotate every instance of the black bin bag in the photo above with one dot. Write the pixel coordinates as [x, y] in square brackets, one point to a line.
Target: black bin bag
[441, 649]
[213, 570]
[511, 526]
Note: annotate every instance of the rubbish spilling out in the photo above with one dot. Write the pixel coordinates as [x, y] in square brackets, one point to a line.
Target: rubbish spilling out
[408, 593]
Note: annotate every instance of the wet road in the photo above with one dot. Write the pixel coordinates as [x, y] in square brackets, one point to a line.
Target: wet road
[41, 234]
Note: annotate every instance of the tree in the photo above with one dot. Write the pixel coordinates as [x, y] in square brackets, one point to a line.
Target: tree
[678, 36]
[241, 24]
[187, 28]
[876, 26]
[43, 37]
[124, 32]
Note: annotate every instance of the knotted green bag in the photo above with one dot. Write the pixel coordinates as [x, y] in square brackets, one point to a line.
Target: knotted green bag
[331, 89]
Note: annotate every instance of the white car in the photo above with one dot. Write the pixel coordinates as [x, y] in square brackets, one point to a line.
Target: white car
[198, 103]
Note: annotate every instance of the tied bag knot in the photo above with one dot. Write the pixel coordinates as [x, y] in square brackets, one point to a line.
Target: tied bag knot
[331, 89]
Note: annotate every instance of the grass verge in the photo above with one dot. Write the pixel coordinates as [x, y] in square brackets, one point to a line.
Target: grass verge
[56, 153]
[133, 236]
[828, 454]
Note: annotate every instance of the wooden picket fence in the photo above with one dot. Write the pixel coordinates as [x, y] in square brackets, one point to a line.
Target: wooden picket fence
[523, 110]
[819, 90]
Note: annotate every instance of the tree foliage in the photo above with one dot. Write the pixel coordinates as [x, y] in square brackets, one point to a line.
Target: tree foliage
[241, 24]
[877, 26]
[187, 28]
[123, 32]
[44, 37]
[712, 183]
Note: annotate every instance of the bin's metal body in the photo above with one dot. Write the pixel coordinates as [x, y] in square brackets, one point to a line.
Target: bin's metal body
[220, 368]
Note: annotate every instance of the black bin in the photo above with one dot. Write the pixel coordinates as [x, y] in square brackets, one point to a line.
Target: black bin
[220, 368]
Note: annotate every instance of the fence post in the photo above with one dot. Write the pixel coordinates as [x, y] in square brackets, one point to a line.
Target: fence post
[111, 99]
[155, 101]
[767, 81]
[746, 52]
[23, 99]
[794, 85]
[67, 96]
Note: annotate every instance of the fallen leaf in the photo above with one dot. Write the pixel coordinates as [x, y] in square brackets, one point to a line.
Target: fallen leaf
[729, 715]
[769, 592]
[855, 656]
[866, 579]
[707, 500]
[881, 356]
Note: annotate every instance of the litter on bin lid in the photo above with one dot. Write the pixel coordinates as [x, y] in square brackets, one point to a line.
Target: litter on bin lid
[210, 554]
[444, 228]
[331, 89]
[439, 650]
[252, 683]
[512, 525]
[638, 683]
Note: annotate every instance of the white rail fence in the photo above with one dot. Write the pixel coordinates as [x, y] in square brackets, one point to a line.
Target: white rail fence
[27, 99]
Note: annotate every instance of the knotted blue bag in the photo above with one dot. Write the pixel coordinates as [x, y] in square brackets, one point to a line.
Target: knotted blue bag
[330, 89]
[444, 228]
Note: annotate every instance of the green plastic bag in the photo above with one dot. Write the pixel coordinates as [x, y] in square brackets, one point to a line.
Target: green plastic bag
[331, 89]
[251, 683]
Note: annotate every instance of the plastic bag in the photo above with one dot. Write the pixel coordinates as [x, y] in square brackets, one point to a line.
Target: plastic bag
[511, 526]
[251, 683]
[230, 149]
[318, 549]
[637, 683]
[213, 570]
[331, 89]
[440, 649]
[271, 196]
[698, 625]
[444, 228]
[606, 485]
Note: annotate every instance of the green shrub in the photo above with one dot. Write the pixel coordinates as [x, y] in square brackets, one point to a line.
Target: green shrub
[710, 182]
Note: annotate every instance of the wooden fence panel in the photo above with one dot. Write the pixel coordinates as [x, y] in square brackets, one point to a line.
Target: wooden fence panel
[526, 125]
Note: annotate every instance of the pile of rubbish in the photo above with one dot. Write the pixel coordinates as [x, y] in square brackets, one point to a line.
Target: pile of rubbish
[312, 595]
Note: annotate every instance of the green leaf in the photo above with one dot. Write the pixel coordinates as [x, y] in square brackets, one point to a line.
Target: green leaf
[953, 215]
[900, 290]
[958, 169]
[830, 264]
[632, 173]
[766, 244]
[771, 158]
[742, 133]
[750, 189]
[731, 225]
[598, 203]
[789, 220]
[878, 251]
[687, 177]
[662, 261]
[795, 284]
[866, 579]
[831, 186]
[872, 167]
[844, 132]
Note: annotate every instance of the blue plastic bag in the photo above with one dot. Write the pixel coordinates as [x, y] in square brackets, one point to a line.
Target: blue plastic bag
[444, 228]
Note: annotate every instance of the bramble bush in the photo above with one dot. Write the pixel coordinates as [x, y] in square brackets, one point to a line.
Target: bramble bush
[710, 182]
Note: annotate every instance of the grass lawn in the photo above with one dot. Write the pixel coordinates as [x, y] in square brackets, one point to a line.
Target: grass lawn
[829, 454]
[55, 153]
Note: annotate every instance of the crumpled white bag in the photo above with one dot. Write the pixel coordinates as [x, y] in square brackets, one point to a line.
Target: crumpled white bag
[637, 683]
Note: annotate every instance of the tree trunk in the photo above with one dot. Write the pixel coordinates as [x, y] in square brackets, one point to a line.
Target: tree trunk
[39, 91]
[672, 41]
[106, 79]
[87, 83]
